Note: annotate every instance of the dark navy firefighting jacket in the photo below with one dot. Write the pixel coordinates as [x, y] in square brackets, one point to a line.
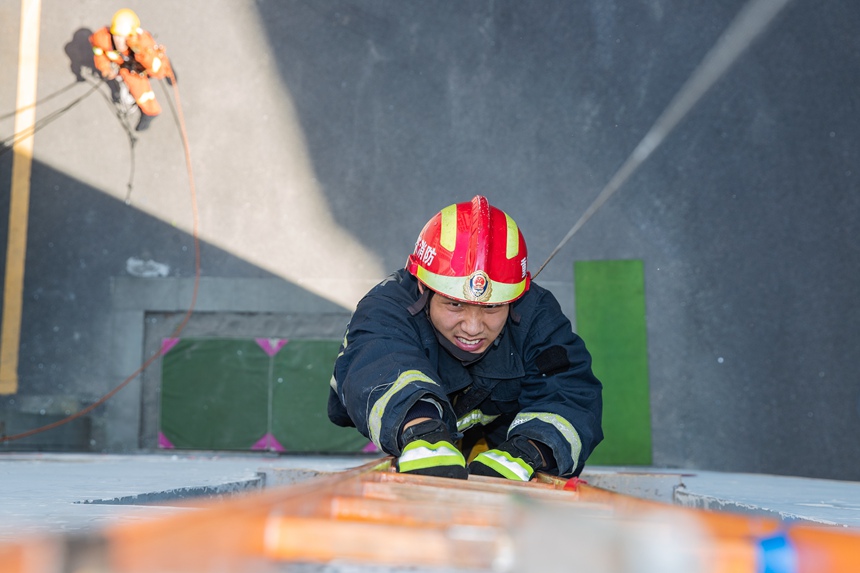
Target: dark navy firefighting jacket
[535, 381]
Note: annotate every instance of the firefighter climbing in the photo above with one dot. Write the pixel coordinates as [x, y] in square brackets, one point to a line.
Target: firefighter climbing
[125, 52]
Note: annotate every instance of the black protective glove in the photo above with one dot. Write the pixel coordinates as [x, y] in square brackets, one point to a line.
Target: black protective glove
[515, 459]
[428, 449]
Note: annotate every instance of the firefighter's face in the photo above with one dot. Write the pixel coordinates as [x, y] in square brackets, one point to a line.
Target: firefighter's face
[121, 42]
[470, 327]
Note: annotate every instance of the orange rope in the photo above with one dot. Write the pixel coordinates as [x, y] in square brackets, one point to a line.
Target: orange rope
[186, 318]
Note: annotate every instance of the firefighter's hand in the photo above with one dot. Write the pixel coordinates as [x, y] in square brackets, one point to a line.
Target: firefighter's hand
[515, 459]
[429, 450]
[111, 73]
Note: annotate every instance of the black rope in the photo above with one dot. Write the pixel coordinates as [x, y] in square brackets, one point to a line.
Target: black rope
[123, 118]
[6, 144]
[41, 101]
[121, 115]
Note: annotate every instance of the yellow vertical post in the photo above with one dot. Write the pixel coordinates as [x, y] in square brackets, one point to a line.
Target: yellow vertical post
[19, 201]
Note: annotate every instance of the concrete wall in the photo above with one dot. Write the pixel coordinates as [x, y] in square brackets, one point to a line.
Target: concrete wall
[324, 134]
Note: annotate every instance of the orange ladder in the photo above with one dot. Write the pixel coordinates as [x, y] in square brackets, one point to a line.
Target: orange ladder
[373, 516]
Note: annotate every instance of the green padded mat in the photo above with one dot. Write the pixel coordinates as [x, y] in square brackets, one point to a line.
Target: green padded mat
[250, 394]
[610, 317]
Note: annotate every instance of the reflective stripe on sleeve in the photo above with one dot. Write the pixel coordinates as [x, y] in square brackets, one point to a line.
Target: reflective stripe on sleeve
[563, 426]
[156, 64]
[146, 96]
[474, 418]
[98, 51]
[333, 382]
[344, 343]
[374, 420]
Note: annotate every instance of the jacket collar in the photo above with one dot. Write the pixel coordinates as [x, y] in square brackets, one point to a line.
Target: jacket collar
[500, 360]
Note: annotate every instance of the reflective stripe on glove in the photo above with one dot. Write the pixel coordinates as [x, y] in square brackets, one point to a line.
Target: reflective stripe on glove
[515, 459]
[429, 450]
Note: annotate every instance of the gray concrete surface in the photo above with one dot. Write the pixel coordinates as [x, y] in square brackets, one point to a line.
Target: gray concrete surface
[789, 499]
[324, 134]
[65, 493]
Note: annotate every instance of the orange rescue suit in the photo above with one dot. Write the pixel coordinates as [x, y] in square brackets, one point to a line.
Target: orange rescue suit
[141, 60]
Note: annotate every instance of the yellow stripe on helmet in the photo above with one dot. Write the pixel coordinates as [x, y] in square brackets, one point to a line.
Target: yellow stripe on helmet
[448, 233]
[512, 245]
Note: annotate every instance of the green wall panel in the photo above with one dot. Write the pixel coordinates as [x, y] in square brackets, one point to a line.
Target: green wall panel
[257, 394]
[610, 317]
[302, 376]
[214, 394]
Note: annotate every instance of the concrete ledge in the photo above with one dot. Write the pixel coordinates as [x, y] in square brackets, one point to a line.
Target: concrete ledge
[826, 502]
[653, 486]
[217, 294]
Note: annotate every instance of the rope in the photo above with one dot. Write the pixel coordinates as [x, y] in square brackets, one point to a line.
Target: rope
[746, 27]
[41, 101]
[122, 116]
[195, 233]
[6, 144]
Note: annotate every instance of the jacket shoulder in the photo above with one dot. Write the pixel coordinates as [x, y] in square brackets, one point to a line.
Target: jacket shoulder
[144, 40]
[399, 287]
[535, 299]
[102, 38]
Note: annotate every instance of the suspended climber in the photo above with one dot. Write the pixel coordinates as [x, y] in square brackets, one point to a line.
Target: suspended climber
[125, 52]
[458, 364]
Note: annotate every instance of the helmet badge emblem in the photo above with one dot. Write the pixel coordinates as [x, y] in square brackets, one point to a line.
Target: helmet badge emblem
[478, 287]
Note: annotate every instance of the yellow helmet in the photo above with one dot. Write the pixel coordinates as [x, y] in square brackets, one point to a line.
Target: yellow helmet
[124, 23]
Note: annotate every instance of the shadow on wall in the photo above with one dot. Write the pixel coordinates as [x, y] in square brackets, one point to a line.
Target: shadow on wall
[80, 53]
[745, 220]
[80, 242]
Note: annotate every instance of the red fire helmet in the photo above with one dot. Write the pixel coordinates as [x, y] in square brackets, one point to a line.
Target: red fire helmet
[472, 252]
